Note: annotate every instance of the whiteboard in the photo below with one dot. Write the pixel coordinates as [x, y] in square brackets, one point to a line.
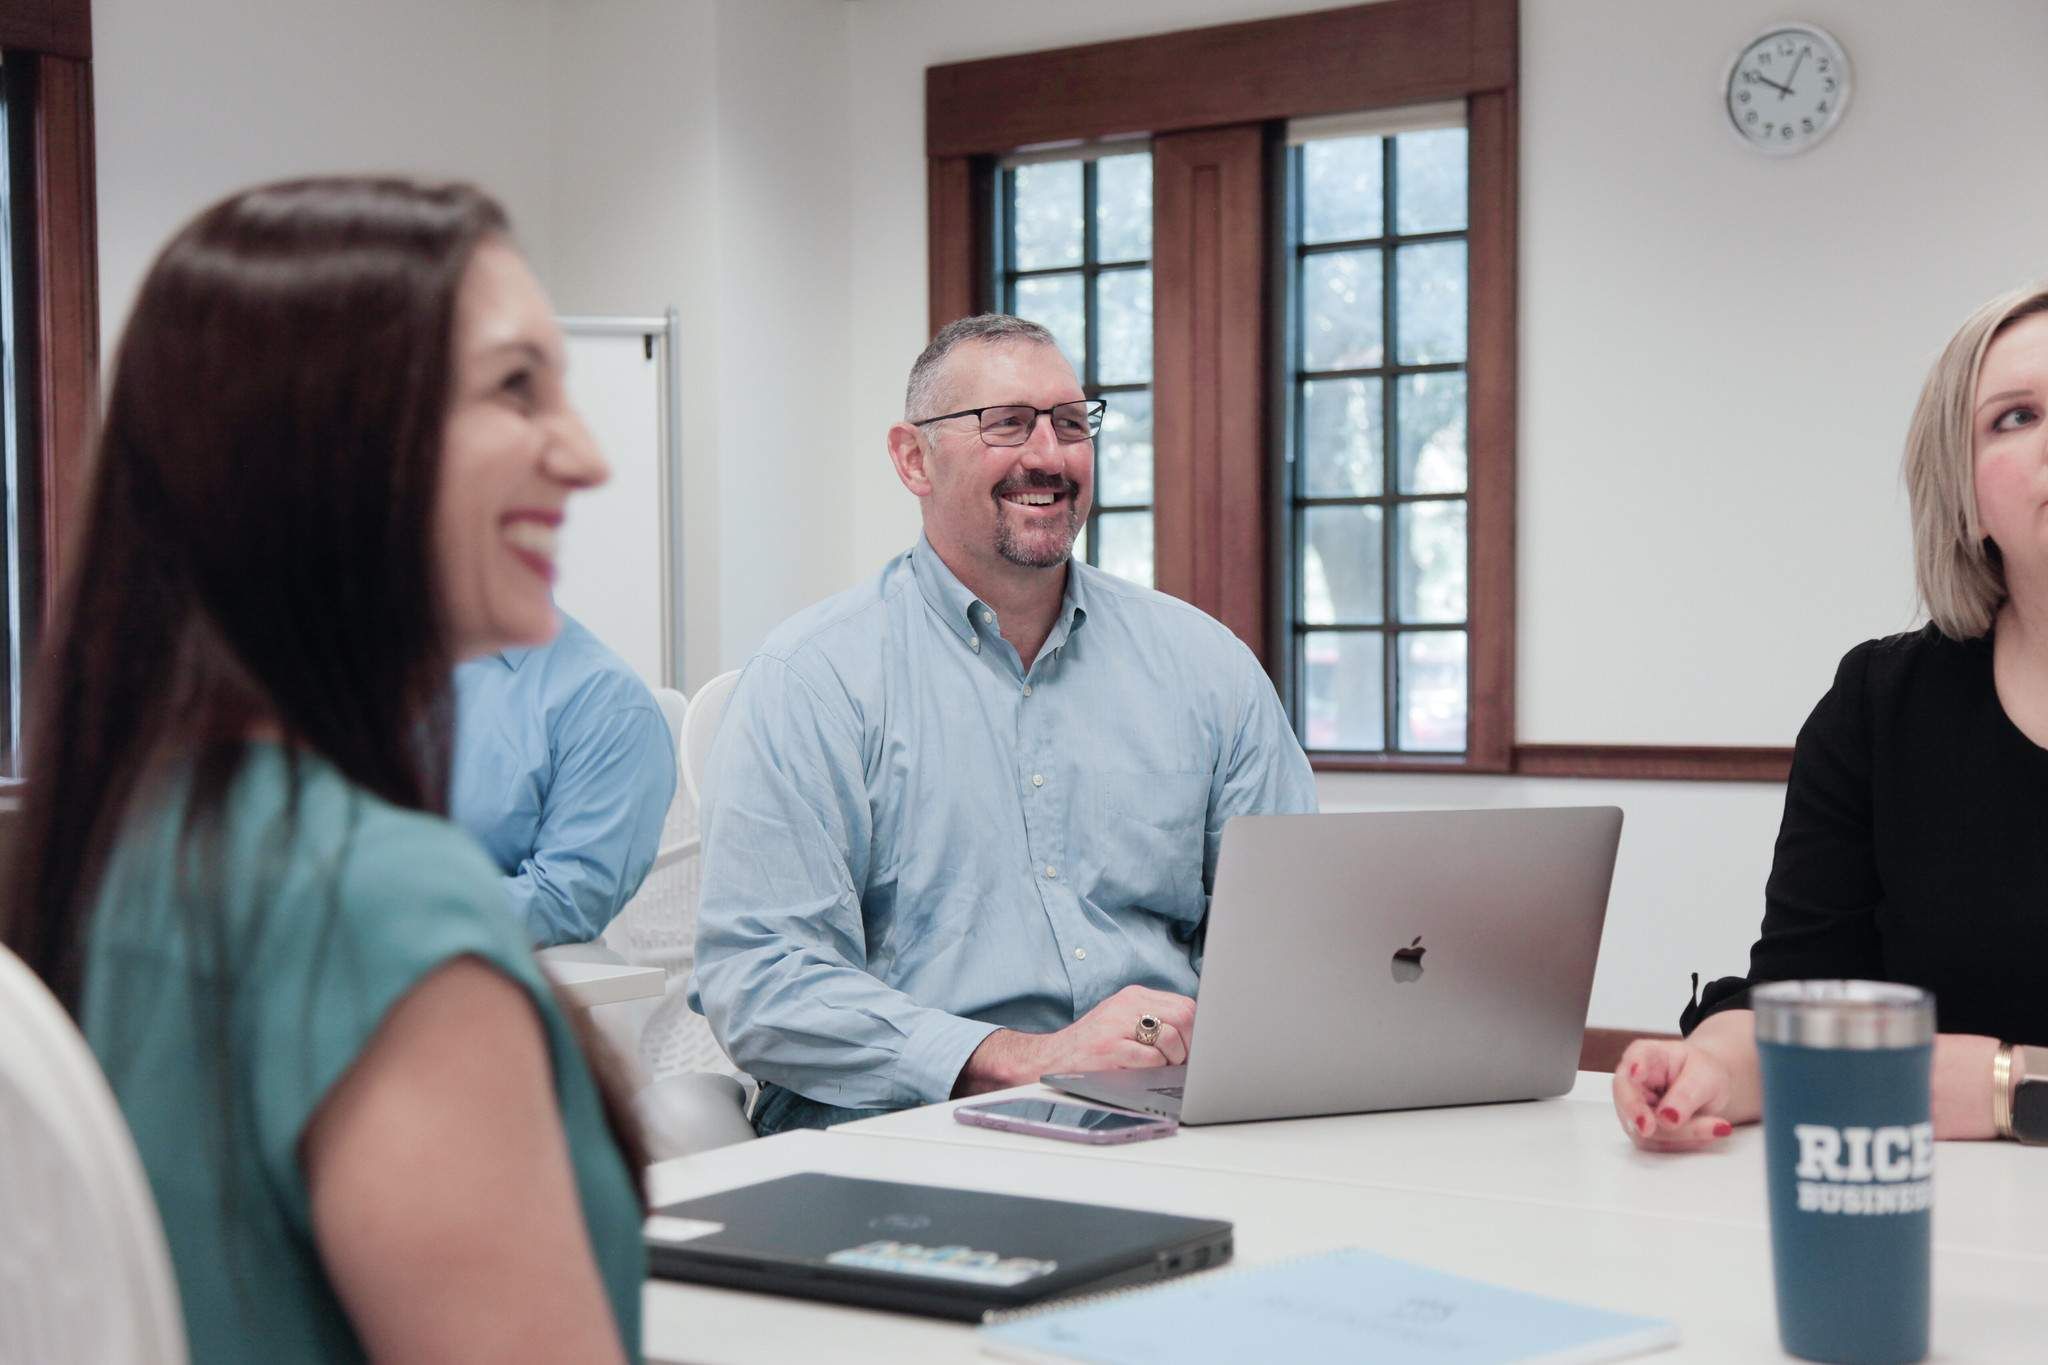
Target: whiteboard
[614, 560]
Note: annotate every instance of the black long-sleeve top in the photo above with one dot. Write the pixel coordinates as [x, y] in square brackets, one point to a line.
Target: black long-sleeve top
[1914, 846]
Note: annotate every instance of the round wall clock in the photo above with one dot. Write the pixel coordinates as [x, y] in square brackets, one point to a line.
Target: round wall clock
[1787, 88]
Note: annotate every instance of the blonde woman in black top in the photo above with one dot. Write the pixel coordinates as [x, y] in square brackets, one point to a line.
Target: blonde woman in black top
[1914, 846]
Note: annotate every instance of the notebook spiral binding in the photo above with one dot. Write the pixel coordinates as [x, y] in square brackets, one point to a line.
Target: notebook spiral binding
[997, 1317]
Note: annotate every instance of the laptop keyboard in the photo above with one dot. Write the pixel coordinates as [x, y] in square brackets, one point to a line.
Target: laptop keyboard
[1171, 1092]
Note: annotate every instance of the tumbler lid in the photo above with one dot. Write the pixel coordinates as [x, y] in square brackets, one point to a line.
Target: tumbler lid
[1856, 1015]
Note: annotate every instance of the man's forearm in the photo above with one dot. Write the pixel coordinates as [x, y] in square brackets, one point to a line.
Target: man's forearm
[1005, 1058]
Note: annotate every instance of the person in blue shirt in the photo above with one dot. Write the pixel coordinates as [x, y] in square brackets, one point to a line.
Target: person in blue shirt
[966, 815]
[564, 770]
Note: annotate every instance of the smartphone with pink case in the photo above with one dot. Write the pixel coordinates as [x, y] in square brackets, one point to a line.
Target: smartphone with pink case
[1066, 1120]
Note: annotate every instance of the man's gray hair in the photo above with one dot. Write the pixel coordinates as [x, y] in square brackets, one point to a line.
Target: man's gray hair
[921, 395]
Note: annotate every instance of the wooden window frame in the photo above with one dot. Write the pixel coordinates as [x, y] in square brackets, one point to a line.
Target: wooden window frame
[55, 37]
[1214, 101]
[46, 49]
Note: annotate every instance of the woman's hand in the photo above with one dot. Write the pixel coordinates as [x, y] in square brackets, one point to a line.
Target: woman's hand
[1962, 1086]
[1678, 1095]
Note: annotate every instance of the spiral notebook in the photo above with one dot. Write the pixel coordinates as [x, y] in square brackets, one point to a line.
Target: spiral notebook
[1340, 1305]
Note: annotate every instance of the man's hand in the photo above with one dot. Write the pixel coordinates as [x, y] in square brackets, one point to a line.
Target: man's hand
[1103, 1039]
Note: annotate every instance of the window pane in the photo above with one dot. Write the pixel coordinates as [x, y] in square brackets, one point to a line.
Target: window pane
[1127, 545]
[1341, 294]
[1429, 302]
[1343, 690]
[1081, 544]
[1340, 567]
[1123, 207]
[1124, 326]
[1341, 189]
[1341, 442]
[1429, 180]
[1055, 300]
[1429, 410]
[1123, 452]
[1432, 698]
[1045, 216]
[1430, 561]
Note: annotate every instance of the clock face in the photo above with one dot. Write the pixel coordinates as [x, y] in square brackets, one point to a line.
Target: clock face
[1787, 89]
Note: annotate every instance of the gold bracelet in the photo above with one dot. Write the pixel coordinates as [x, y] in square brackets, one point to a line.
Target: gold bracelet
[2001, 1091]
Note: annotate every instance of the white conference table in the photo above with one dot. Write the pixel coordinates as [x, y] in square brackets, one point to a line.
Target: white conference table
[1546, 1197]
[603, 983]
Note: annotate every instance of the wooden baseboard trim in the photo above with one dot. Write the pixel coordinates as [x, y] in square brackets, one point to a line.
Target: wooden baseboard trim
[1654, 762]
[1637, 762]
[1603, 1047]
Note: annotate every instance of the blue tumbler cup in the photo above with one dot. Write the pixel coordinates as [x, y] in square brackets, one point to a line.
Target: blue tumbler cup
[1849, 1148]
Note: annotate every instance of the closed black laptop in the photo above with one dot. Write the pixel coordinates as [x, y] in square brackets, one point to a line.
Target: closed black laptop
[920, 1248]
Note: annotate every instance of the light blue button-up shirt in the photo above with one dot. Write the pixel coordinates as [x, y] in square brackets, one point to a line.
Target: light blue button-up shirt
[915, 840]
[564, 770]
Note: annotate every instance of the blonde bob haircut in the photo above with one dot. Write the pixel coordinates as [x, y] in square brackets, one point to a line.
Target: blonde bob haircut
[1959, 573]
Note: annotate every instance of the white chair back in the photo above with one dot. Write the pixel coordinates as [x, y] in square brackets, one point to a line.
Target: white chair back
[700, 728]
[85, 1273]
[674, 706]
[659, 926]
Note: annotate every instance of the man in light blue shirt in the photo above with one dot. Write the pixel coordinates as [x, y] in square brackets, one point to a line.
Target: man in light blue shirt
[966, 815]
[564, 769]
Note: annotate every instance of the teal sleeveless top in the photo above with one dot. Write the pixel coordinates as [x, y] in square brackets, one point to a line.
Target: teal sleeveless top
[338, 904]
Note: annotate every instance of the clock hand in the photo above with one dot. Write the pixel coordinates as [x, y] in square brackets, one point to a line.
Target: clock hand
[1783, 90]
[1786, 88]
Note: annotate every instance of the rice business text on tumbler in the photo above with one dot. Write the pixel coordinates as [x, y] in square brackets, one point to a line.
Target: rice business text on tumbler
[1849, 1146]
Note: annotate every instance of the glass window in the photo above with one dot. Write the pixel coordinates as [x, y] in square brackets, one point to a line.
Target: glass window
[1374, 442]
[21, 507]
[1076, 255]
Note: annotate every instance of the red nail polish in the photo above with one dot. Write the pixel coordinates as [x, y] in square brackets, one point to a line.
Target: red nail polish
[1642, 1123]
[1723, 1129]
[1633, 1068]
[1670, 1114]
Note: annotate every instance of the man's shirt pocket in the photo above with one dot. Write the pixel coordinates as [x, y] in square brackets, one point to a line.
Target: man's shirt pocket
[1148, 831]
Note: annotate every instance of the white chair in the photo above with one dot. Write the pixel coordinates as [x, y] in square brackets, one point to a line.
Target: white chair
[657, 928]
[674, 706]
[700, 728]
[694, 1098]
[85, 1274]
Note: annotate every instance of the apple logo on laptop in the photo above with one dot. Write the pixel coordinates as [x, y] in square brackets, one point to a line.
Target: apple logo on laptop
[1407, 964]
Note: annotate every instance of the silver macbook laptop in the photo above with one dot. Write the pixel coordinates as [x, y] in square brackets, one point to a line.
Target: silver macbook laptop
[1387, 960]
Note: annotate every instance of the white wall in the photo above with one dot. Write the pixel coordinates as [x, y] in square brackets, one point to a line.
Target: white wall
[1718, 350]
[698, 159]
[696, 162]
[196, 99]
[651, 152]
[633, 159]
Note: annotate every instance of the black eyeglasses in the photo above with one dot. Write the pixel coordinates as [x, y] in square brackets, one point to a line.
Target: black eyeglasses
[1011, 424]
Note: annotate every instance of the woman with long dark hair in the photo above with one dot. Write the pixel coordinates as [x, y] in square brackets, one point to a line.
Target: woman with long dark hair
[336, 453]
